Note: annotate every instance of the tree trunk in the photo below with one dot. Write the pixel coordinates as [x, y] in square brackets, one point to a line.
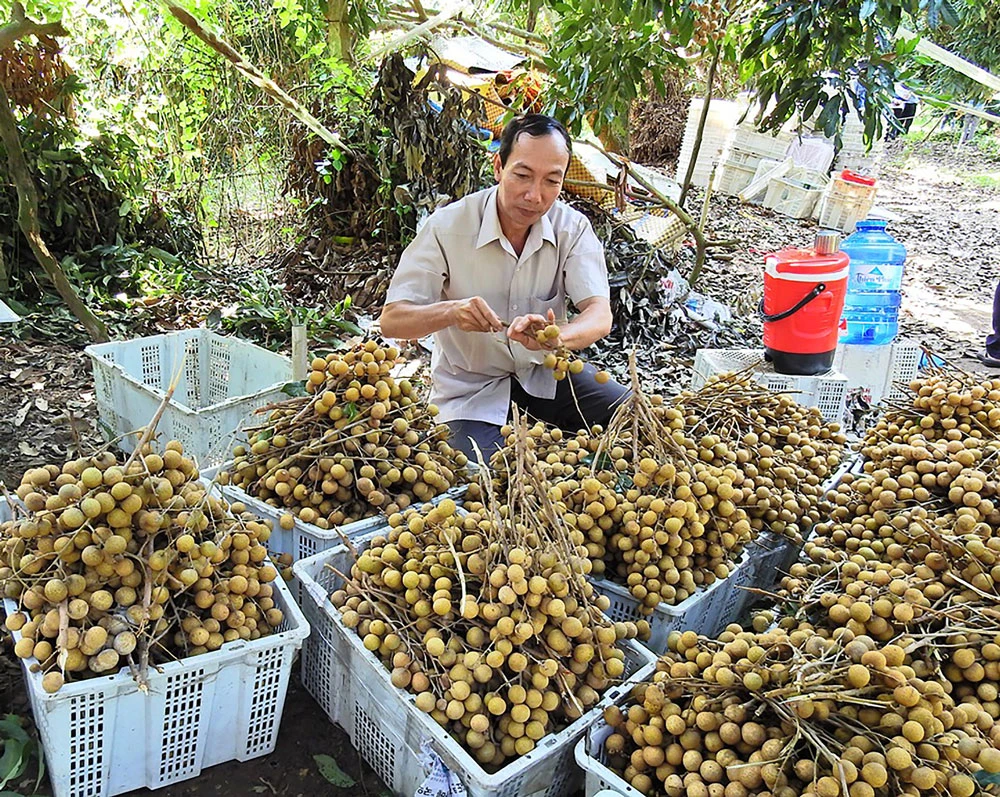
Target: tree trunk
[339, 37]
[27, 220]
[4, 276]
[701, 127]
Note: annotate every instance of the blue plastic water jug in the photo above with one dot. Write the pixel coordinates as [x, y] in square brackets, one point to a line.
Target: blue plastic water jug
[871, 308]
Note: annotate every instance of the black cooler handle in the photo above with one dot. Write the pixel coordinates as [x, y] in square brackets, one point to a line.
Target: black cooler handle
[820, 287]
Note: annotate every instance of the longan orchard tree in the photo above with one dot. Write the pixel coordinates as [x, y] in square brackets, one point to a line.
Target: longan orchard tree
[796, 56]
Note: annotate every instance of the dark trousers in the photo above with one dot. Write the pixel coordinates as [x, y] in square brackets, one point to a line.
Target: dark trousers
[578, 393]
[904, 117]
[993, 339]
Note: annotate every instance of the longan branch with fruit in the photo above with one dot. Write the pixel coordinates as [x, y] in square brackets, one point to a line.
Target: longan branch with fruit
[362, 443]
[133, 564]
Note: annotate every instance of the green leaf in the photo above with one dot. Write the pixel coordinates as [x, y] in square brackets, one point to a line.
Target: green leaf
[332, 772]
[125, 209]
[868, 8]
[351, 411]
[295, 389]
[13, 762]
[10, 726]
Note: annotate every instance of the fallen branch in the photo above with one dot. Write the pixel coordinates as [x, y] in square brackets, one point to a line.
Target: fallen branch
[27, 220]
[261, 81]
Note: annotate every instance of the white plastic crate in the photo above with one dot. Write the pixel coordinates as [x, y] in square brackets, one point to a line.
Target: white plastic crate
[764, 145]
[304, 539]
[708, 611]
[733, 178]
[223, 381]
[352, 685]
[857, 161]
[592, 758]
[103, 736]
[844, 204]
[881, 371]
[827, 392]
[719, 127]
[792, 197]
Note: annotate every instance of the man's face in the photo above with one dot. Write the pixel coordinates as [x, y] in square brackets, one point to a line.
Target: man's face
[531, 180]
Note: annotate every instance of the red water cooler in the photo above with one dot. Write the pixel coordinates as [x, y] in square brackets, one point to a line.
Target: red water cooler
[804, 293]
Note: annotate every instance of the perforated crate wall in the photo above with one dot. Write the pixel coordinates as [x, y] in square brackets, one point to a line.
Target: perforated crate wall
[708, 611]
[103, 736]
[221, 382]
[790, 198]
[764, 145]
[827, 392]
[903, 370]
[734, 177]
[592, 758]
[388, 729]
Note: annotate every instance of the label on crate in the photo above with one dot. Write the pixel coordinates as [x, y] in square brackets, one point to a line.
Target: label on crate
[441, 781]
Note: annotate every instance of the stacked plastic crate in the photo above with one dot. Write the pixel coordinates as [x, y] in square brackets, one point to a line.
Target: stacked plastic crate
[847, 200]
[746, 153]
[719, 126]
[853, 154]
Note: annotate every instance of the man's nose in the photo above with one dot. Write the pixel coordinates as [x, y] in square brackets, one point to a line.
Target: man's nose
[534, 192]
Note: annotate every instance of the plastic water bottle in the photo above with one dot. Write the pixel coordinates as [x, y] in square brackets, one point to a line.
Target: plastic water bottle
[871, 308]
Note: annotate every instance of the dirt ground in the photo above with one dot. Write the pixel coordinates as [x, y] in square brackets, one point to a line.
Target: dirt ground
[947, 202]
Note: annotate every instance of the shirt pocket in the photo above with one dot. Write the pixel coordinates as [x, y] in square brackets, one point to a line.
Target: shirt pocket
[556, 303]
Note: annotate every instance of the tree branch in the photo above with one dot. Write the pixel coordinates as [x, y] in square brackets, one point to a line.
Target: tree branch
[27, 220]
[686, 185]
[255, 76]
[20, 26]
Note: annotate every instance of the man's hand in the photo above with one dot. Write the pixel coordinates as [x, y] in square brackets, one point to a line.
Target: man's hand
[523, 329]
[475, 315]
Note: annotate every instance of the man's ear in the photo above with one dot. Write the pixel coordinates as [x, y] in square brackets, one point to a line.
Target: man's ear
[497, 166]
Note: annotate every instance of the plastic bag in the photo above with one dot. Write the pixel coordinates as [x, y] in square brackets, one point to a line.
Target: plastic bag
[440, 781]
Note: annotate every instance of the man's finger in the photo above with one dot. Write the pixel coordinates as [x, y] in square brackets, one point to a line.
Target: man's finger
[492, 320]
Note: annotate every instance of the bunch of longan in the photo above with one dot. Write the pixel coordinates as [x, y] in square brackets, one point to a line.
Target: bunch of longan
[497, 634]
[112, 563]
[364, 443]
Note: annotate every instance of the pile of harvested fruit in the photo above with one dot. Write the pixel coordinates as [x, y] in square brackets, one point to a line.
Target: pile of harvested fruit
[130, 564]
[486, 616]
[362, 443]
[789, 713]
[786, 451]
[671, 492]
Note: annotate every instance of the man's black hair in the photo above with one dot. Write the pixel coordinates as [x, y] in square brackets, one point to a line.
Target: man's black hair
[532, 124]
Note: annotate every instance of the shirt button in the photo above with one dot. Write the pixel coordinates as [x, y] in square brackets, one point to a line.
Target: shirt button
[513, 307]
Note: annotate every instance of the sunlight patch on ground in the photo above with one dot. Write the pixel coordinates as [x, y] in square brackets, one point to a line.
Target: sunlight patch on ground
[963, 317]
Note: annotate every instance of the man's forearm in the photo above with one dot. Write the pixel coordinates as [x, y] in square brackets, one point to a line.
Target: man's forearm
[592, 324]
[409, 321]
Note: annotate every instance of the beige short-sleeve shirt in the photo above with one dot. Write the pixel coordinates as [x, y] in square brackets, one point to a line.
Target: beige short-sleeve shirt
[461, 252]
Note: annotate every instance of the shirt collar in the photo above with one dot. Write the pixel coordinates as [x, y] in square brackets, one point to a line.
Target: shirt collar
[490, 231]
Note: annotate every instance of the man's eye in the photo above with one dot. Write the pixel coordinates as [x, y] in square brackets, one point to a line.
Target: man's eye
[555, 182]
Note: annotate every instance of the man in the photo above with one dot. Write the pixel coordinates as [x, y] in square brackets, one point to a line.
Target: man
[991, 356]
[904, 108]
[484, 274]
